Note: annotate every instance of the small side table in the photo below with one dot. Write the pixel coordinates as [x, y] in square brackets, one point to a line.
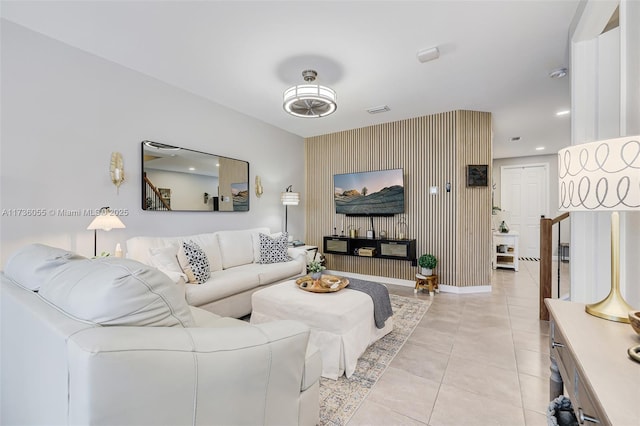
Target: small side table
[427, 281]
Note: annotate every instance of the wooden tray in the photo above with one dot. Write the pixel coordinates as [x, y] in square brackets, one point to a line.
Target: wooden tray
[326, 283]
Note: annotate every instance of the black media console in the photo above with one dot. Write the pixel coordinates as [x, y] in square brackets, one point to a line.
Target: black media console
[381, 248]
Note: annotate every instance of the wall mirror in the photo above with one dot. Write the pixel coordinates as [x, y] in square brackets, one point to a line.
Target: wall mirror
[180, 179]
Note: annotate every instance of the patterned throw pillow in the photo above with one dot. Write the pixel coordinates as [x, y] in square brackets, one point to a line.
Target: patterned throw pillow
[273, 250]
[194, 262]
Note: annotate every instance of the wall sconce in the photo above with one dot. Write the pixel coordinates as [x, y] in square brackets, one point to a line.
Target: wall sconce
[259, 189]
[117, 170]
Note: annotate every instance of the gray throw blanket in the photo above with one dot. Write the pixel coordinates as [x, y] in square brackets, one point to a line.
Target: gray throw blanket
[380, 295]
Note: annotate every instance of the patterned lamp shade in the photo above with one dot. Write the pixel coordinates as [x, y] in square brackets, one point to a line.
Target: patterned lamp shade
[600, 176]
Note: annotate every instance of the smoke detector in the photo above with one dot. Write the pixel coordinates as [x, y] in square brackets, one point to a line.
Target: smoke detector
[558, 73]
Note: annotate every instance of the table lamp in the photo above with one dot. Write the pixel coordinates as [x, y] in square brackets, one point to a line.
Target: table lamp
[603, 176]
[106, 221]
[289, 198]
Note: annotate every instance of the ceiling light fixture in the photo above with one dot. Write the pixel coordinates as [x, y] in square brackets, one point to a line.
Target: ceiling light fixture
[563, 112]
[540, 148]
[558, 73]
[514, 139]
[309, 100]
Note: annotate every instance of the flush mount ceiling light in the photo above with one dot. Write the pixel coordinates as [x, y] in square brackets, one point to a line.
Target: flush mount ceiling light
[558, 73]
[309, 100]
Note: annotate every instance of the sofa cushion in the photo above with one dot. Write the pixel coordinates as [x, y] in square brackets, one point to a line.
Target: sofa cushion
[236, 247]
[113, 291]
[274, 272]
[33, 264]
[138, 247]
[166, 260]
[273, 250]
[223, 284]
[194, 262]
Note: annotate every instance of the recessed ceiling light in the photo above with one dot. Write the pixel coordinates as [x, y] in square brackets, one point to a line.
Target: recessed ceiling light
[558, 73]
[192, 168]
[540, 148]
[563, 112]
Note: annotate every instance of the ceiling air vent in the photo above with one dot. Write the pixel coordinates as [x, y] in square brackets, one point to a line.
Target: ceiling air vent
[378, 109]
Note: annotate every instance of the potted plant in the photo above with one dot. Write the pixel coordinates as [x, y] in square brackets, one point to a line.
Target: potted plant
[427, 262]
[316, 268]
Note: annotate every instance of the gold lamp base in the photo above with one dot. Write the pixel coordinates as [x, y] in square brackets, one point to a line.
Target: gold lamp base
[612, 308]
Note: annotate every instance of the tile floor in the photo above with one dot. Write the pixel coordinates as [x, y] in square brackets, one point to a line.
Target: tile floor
[475, 359]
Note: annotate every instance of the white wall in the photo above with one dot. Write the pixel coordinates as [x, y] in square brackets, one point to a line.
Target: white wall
[553, 202]
[64, 111]
[605, 77]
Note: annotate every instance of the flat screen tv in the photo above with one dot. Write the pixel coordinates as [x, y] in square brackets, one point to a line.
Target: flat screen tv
[375, 193]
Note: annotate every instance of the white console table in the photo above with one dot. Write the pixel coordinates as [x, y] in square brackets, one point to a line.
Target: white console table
[509, 257]
[589, 362]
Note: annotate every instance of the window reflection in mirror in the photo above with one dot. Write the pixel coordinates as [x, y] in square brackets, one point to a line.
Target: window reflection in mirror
[180, 179]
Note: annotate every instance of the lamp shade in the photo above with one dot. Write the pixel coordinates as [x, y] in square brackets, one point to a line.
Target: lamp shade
[106, 221]
[290, 198]
[600, 176]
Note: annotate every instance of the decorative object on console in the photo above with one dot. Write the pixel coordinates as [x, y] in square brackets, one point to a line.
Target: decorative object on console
[402, 228]
[634, 320]
[309, 100]
[259, 188]
[427, 262]
[603, 176]
[503, 227]
[117, 170]
[477, 175]
[289, 198]
[105, 221]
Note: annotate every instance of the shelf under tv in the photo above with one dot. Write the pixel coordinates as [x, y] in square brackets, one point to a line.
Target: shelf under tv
[383, 248]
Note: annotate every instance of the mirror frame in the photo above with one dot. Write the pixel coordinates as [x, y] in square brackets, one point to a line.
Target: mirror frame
[228, 184]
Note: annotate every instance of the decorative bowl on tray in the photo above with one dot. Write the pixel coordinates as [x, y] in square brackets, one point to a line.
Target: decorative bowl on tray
[326, 283]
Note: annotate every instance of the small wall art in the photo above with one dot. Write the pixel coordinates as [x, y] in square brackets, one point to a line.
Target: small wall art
[477, 175]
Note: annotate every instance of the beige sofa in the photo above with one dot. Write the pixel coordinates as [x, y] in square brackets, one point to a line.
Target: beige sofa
[113, 342]
[233, 260]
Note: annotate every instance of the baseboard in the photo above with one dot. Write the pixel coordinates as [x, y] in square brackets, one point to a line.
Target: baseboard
[444, 288]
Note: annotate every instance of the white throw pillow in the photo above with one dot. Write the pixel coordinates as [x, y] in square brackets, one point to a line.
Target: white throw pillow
[166, 260]
[194, 262]
[113, 291]
[274, 250]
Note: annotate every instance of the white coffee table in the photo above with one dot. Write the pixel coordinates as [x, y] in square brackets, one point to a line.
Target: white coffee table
[342, 324]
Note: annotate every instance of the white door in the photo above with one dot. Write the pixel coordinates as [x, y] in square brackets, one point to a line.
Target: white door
[524, 197]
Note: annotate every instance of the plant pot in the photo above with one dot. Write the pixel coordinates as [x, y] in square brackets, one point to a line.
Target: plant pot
[316, 275]
[426, 272]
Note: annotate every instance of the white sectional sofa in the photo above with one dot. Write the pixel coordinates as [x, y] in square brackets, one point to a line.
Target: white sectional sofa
[233, 258]
[113, 342]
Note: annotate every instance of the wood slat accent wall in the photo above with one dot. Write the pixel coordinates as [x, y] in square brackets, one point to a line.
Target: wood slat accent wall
[432, 150]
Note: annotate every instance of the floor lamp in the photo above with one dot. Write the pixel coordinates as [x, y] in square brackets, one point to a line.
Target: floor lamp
[289, 198]
[105, 221]
[603, 176]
